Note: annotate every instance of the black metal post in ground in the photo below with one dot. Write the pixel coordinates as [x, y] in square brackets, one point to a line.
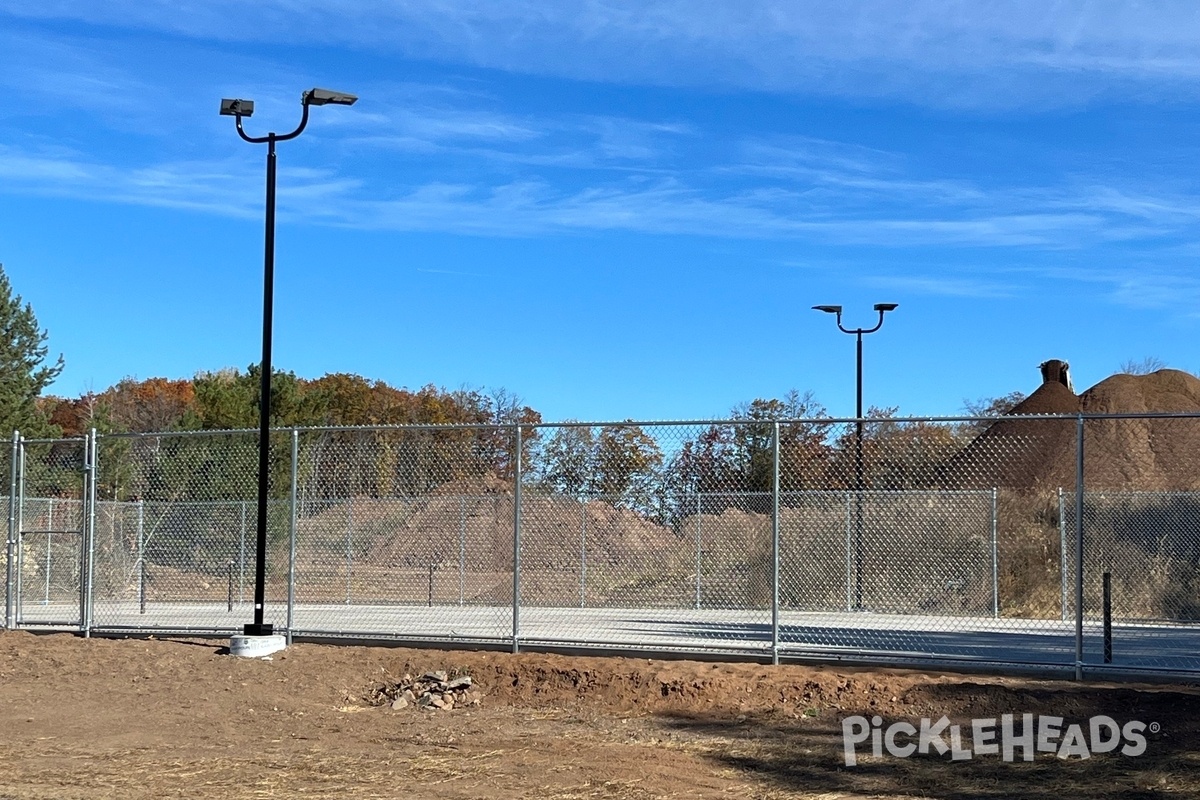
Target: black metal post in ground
[258, 627]
[1108, 618]
[858, 473]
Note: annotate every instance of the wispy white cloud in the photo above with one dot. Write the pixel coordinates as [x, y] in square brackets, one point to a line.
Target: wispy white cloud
[441, 125]
[1143, 286]
[489, 139]
[208, 187]
[943, 285]
[529, 207]
[455, 272]
[937, 52]
[50, 75]
[843, 173]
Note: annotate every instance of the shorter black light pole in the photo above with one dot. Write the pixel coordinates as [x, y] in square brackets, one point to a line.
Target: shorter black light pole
[238, 109]
[858, 333]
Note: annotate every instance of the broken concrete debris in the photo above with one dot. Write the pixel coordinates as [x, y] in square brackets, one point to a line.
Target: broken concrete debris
[436, 689]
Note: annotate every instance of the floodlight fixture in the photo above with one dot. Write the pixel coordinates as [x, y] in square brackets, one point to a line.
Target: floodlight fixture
[881, 307]
[828, 309]
[323, 97]
[237, 108]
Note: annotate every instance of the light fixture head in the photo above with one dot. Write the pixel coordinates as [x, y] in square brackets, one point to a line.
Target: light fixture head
[237, 108]
[886, 306]
[322, 97]
[828, 309]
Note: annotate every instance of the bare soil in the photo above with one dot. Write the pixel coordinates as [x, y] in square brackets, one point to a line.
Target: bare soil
[141, 718]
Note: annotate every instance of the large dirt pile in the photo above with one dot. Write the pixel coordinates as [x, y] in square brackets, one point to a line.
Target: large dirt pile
[477, 516]
[1131, 454]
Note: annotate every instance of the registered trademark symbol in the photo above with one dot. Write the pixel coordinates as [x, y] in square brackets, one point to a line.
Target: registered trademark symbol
[1155, 727]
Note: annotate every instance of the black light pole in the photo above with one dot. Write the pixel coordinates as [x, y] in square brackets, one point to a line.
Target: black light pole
[239, 109]
[858, 333]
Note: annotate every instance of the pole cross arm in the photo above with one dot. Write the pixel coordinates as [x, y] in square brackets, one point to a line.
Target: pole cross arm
[882, 308]
[313, 97]
[278, 137]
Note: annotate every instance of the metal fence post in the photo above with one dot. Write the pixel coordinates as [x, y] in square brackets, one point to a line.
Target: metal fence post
[49, 548]
[516, 610]
[462, 548]
[349, 546]
[242, 557]
[90, 477]
[775, 544]
[19, 541]
[995, 558]
[13, 500]
[849, 557]
[292, 502]
[1079, 549]
[141, 557]
[1062, 545]
[1107, 617]
[583, 553]
[698, 551]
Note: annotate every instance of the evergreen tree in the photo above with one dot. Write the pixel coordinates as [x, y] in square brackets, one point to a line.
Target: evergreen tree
[24, 373]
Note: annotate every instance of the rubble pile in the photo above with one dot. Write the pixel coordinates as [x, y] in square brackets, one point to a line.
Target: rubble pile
[431, 691]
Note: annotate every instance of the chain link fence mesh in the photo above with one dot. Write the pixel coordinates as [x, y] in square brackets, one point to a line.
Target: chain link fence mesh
[406, 532]
[910, 540]
[49, 553]
[1141, 527]
[8, 503]
[175, 533]
[1149, 543]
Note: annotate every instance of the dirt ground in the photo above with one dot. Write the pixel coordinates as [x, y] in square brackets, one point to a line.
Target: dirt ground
[140, 718]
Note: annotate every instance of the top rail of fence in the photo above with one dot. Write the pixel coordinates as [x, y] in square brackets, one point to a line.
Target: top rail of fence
[650, 423]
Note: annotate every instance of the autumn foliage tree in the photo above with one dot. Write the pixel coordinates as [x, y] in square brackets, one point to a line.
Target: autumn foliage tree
[728, 463]
[620, 464]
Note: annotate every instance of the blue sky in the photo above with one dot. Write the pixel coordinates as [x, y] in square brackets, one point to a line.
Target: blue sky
[612, 209]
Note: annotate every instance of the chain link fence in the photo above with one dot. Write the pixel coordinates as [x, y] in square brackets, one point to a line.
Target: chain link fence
[175, 529]
[883, 541]
[47, 531]
[1149, 545]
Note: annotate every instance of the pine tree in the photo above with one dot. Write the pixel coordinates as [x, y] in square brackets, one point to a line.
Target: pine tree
[24, 373]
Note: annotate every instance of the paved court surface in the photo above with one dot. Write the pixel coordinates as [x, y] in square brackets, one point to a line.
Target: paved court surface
[858, 635]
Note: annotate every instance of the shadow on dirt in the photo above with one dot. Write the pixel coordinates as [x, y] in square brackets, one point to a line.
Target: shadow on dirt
[805, 754]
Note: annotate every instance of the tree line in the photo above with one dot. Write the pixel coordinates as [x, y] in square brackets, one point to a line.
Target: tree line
[229, 399]
[626, 464]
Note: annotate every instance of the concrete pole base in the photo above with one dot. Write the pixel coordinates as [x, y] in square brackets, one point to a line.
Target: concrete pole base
[246, 646]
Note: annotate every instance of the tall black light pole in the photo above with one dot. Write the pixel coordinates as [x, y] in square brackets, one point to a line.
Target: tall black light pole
[239, 109]
[858, 333]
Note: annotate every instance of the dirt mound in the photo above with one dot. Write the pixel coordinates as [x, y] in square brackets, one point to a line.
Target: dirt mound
[1143, 454]
[1051, 397]
[177, 718]
[1022, 454]
[1168, 390]
[476, 519]
[486, 484]
[1130, 454]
